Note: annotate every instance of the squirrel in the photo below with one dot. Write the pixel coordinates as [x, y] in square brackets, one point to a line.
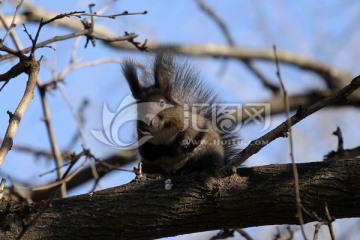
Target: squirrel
[176, 110]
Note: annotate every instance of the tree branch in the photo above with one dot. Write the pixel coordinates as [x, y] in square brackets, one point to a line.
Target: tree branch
[52, 140]
[102, 168]
[280, 131]
[143, 209]
[31, 67]
[334, 78]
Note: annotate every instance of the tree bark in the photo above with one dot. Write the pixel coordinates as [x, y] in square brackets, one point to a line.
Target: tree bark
[144, 209]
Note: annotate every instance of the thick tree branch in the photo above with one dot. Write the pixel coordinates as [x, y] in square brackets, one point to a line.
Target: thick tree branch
[143, 209]
[31, 67]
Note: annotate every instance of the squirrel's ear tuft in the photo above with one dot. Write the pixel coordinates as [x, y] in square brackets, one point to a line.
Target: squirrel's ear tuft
[164, 71]
[130, 73]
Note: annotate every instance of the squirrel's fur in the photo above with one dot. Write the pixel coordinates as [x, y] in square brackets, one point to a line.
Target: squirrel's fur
[184, 136]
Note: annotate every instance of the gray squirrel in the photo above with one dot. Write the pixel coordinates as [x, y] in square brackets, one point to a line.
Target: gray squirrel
[177, 112]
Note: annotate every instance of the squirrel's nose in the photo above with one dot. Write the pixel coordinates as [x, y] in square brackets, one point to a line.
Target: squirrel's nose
[149, 118]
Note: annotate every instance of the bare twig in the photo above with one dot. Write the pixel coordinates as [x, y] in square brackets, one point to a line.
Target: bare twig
[256, 145]
[217, 20]
[43, 23]
[81, 121]
[81, 129]
[244, 234]
[338, 133]
[265, 82]
[76, 116]
[11, 32]
[104, 8]
[74, 50]
[67, 178]
[13, 20]
[11, 52]
[2, 186]
[139, 46]
[63, 15]
[54, 146]
[223, 28]
[317, 228]
[73, 67]
[103, 167]
[335, 78]
[321, 221]
[291, 145]
[329, 222]
[90, 27]
[69, 36]
[113, 16]
[33, 151]
[223, 234]
[341, 153]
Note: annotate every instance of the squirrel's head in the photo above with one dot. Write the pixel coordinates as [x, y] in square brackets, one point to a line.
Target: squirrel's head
[158, 111]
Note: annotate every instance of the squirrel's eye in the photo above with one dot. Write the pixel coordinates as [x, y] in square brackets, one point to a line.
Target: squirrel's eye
[162, 103]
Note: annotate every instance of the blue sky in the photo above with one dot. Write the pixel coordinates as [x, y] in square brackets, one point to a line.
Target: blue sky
[326, 31]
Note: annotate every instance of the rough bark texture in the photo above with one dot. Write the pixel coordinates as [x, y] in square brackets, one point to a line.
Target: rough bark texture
[143, 209]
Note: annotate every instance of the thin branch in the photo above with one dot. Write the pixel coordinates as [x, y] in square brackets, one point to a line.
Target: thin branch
[224, 29]
[338, 133]
[69, 36]
[90, 27]
[113, 16]
[11, 52]
[13, 35]
[340, 153]
[103, 167]
[74, 50]
[317, 229]
[80, 127]
[256, 145]
[217, 20]
[265, 82]
[335, 78]
[244, 234]
[42, 24]
[2, 186]
[54, 146]
[223, 234]
[104, 8]
[80, 119]
[138, 45]
[74, 157]
[58, 182]
[291, 145]
[13, 20]
[33, 151]
[73, 67]
[329, 222]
